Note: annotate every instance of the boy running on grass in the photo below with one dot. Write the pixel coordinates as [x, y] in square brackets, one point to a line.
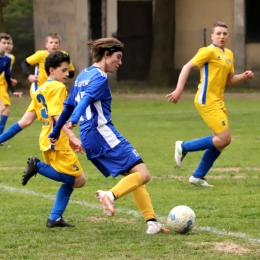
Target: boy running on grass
[60, 162]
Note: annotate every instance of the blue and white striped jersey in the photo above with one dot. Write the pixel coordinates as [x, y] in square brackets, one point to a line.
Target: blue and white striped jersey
[91, 97]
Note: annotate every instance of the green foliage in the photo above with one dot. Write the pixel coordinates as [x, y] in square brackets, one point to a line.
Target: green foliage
[18, 22]
[17, 18]
[227, 215]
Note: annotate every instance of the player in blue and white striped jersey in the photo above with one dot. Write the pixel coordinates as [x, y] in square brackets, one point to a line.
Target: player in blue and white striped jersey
[90, 102]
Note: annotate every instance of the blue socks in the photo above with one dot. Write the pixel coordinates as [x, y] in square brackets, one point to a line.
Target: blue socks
[3, 123]
[208, 158]
[198, 144]
[10, 132]
[49, 172]
[61, 202]
[64, 192]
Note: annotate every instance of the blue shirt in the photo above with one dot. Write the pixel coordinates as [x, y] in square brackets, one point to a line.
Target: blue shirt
[91, 97]
[5, 64]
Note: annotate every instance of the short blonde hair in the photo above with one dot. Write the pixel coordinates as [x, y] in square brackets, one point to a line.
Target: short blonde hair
[218, 24]
[53, 35]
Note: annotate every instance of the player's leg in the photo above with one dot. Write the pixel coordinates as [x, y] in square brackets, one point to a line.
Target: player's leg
[218, 122]
[143, 202]
[17, 127]
[117, 161]
[6, 109]
[61, 166]
[124, 159]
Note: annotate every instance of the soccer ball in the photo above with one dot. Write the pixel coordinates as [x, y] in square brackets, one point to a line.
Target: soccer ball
[181, 219]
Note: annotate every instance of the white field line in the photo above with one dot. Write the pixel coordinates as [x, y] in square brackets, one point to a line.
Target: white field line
[128, 212]
[51, 197]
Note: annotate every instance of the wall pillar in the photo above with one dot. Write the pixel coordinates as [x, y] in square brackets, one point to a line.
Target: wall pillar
[239, 35]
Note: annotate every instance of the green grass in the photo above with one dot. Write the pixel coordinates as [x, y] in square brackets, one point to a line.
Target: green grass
[227, 224]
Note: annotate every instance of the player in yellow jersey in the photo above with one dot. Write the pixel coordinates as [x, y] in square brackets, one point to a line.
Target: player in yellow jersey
[61, 163]
[52, 44]
[4, 96]
[216, 65]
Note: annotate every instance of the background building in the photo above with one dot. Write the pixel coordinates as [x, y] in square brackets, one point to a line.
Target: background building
[131, 21]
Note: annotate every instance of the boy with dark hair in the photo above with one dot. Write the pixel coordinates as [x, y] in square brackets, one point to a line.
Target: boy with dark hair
[61, 163]
[5, 66]
[4, 96]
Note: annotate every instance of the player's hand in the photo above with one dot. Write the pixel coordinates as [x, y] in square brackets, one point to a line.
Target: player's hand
[14, 82]
[17, 94]
[54, 137]
[53, 141]
[174, 96]
[76, 145]
[33, 78]
[70, 125]
[249, 75]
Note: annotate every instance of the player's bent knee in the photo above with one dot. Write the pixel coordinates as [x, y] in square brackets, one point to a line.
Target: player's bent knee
[80, 181]
[146, 177]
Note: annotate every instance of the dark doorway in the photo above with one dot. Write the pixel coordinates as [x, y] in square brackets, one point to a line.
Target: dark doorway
[95, 19]
[135, 30]
[252, 21]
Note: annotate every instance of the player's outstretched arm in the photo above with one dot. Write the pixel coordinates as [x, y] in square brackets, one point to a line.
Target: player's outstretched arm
[176, 94]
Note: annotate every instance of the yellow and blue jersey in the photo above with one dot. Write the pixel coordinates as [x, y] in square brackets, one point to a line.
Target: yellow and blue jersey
[215, 65]
[48, 102]
[3, 83]
[5, 64]
[38, 60]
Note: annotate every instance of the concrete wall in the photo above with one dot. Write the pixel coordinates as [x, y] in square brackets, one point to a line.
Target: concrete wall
[192, 16]
[70, 20]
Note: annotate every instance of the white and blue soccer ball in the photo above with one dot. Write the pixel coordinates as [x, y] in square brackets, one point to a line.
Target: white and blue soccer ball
[181, 219]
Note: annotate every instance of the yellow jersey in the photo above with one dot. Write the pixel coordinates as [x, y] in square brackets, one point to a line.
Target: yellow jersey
[48, 102]
[38, 60]
[3, 83]
[215, 65]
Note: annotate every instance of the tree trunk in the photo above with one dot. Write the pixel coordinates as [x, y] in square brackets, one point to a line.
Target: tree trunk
[2, 27]
[162, 61]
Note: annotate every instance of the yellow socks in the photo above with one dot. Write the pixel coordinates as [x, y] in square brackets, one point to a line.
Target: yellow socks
[127, 184]
[143, 202]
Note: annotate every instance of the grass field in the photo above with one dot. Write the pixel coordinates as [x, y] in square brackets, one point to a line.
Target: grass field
[227, 224]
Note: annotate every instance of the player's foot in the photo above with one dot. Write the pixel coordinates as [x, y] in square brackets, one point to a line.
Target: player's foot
[107, 200]
[58, 223]
[199, 182]
[31, 170]
[179, 153]
[155, 227]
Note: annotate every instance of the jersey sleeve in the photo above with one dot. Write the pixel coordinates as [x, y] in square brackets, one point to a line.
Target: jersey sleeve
[203, 56]
[96, 87]
[12, 60]
[35, 58]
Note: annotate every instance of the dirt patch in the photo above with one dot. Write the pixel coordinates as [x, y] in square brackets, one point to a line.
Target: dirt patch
[234, 169]
[222, 247]
[11, 168]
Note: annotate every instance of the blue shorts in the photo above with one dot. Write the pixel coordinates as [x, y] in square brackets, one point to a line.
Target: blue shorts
[118, 160]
